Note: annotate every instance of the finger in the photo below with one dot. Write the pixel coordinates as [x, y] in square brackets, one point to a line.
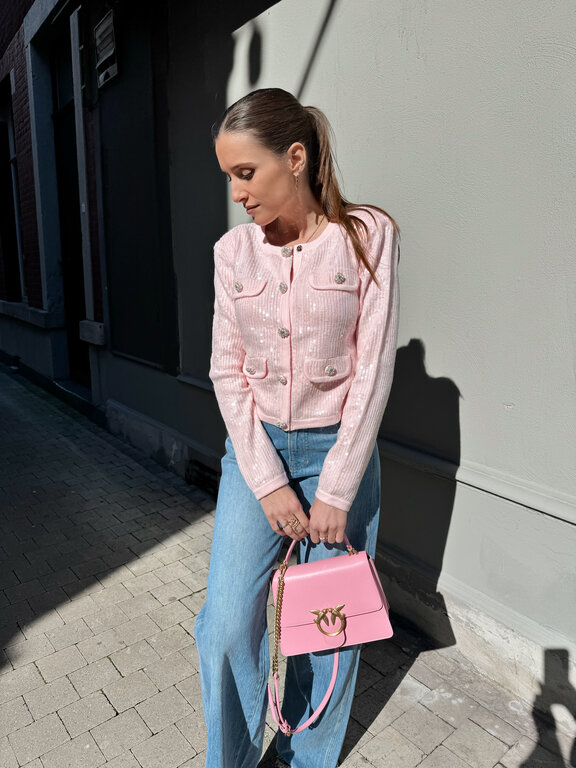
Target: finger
[277, 528]
[299, 528]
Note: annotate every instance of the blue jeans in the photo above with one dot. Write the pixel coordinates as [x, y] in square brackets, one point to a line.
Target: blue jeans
[231, 632]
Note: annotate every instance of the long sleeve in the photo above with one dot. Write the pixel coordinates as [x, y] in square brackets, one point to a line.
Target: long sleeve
[259, 463]
[376, 338]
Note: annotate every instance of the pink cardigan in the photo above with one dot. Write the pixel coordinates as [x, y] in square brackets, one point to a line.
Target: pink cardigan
[303, 337]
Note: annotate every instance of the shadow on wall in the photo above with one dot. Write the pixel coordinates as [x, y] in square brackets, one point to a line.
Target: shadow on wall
[420, 448]
[556, 689]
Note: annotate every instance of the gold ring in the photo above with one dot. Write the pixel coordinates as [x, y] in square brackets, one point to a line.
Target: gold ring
[294, 523]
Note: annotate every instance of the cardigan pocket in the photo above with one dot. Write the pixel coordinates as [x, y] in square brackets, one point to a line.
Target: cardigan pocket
[245, 288]
[328, 370]
[255, 367]
[336, 280]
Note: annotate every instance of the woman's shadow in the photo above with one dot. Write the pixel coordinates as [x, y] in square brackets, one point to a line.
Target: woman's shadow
[419, 442]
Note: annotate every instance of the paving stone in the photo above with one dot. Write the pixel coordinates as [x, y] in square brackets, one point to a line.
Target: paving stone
[425, 674]
[170, 614]
[450, 703]
[163, 709]
[13, 716]
[37, 738]
[389, 749]
[114, 577]
[495, 726]
[127, 760]
[7, 756]
[101, 645]
[129, 691]
[190, 652]
[112, 595]
[136, 656]
[405, 689]
[41, 624]
[172, 554]
[172, 591]
[121, 733]
[106, 618]
[139, 605]
[137, 629]
[475, 745]
[191, 690]
[94, 676]
[12, 614]
[193, 728]
[20, 592]
[173, 571]
[196, 601]
[443, 758]
[169, 671]
[167, 749]
[77, 608]
[61, 663]
[19, 682]
[22, 653]
[423, 728]
[87, 713]
[374, 711]
[143, 565]
[528, 753]
[69, 634]
[170, 640]
[144, 583]
[81, 752]
[50, 697]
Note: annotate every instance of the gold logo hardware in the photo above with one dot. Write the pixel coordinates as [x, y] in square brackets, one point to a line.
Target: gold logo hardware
[322, 616]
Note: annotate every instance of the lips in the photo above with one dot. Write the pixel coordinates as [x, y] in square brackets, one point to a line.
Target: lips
[250, 209]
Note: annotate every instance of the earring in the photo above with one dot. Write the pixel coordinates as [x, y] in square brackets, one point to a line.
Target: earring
[296, 175]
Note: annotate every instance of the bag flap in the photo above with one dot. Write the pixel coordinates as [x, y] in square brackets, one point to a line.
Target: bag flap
[347, 581]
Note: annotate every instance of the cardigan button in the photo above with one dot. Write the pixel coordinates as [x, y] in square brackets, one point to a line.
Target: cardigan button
[330, 370]
[339, 278]
[298, 248]
[251, 370]
[238, 286]
[282, 380]
[286, 250]
[283, 333]
[281, 425]
[283, 287]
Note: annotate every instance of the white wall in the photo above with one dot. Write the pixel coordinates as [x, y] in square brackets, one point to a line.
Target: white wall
[458, 118]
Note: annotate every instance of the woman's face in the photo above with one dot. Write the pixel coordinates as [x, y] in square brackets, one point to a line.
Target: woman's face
[260, 180]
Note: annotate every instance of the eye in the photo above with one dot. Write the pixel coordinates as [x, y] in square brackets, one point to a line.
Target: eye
[246, 175]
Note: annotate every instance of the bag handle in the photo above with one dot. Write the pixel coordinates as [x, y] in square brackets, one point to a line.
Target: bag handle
[349, 547]
[274, 699]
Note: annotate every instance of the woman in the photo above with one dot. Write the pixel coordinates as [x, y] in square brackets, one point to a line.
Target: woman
[304, 341]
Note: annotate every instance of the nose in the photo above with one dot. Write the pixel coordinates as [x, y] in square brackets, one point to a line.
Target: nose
[238, 192]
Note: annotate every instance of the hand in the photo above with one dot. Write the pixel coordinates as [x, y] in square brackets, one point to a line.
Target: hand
[282, 507]
[327, 523]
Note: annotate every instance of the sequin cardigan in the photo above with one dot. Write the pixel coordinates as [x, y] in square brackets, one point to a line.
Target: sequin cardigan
[304, 337]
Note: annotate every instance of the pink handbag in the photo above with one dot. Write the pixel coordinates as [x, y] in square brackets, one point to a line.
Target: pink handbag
[324, 605]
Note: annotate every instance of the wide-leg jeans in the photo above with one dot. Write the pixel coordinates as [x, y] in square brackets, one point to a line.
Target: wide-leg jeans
[231, 630]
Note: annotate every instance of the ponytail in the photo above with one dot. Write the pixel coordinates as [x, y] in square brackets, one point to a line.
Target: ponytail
[325, 187]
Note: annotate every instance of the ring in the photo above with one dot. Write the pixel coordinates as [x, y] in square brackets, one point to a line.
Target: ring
[323, 538]
[294, 523]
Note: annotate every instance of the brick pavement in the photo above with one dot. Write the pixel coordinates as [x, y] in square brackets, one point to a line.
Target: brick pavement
[104, 557]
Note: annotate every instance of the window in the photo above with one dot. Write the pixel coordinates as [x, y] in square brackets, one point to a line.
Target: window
[11, 267]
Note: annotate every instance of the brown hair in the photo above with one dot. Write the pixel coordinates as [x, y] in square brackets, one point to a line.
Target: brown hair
[277, 120]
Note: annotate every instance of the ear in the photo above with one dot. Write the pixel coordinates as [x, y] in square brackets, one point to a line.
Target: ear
[296, 155]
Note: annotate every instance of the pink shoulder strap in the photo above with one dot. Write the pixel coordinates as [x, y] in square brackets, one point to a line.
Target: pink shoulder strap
[274, 698]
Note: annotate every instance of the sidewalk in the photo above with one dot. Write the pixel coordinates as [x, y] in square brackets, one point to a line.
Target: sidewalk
[103, 564]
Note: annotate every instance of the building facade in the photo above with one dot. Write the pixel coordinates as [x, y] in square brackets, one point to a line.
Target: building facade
[458, 120]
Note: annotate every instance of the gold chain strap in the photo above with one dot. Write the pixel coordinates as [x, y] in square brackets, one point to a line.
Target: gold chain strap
[279, 595]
